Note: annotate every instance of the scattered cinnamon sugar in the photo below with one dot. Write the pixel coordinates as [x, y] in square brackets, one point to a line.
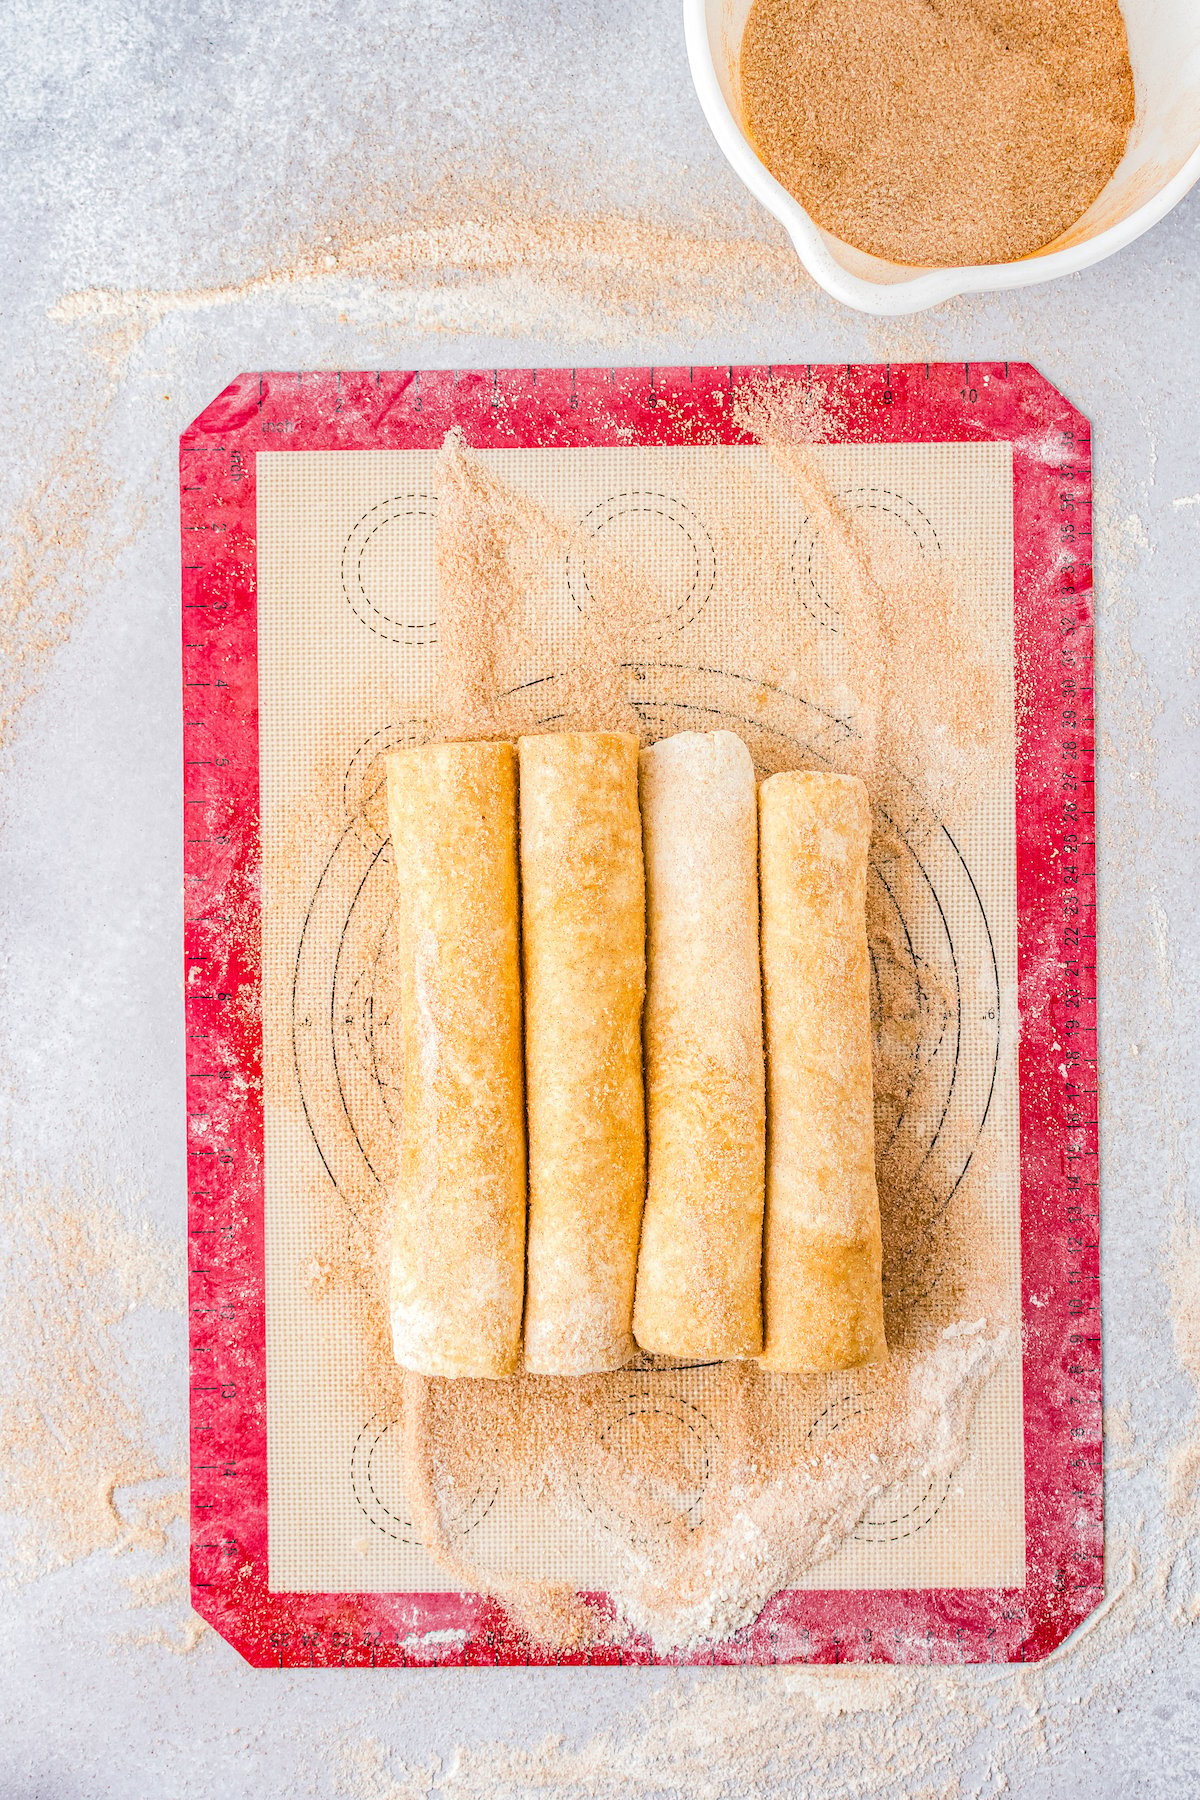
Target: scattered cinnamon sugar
[494, 258]
[496, 549]
[164, 1591]
[970, 131]
[926, 691]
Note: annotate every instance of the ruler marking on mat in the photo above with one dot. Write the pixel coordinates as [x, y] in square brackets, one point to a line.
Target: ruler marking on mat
[214, 1145]
[1073, 833]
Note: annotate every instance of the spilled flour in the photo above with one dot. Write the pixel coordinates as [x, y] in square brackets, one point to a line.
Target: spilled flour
[1183, 1467]
[741, 1735]
[78, 1472]
[54, 543]
[775, 1504]
[787, 1465]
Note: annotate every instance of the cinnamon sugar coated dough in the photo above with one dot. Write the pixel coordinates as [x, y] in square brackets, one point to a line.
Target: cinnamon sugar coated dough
[458, 1244]
[971, 131]
[583, 915]
[822, 1256]
[699, 1270]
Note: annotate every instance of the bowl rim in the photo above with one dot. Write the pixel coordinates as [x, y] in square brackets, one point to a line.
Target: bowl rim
[932, 286]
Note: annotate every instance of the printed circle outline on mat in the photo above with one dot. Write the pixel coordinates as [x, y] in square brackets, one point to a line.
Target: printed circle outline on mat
[689, 545]
[904, 1521]
[364, 794]
[647, 1362]
[671, 1503]
[897, 975]
[370, 547]
[347, 1072]
[367, 1021]
[345, 1105]
[371, 1471]
[838, 1413]
[806, 545]
[923, 1508]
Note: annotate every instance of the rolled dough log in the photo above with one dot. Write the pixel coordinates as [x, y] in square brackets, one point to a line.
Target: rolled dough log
[458, 1245]
[699, 1269]
[583, 909]
[822, 1288]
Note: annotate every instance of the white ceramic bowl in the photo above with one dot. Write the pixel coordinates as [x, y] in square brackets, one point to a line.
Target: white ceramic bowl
[1159, 166]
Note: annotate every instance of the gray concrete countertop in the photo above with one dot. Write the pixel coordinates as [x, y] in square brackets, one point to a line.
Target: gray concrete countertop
[250, 187]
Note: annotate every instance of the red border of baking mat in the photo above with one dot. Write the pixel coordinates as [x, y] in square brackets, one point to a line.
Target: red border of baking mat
[910, 403]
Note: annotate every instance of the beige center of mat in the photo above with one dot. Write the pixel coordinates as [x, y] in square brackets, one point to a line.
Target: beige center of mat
[747, 630]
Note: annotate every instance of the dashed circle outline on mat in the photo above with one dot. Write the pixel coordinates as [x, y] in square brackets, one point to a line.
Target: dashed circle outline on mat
[399, 506]
[364, 1045]
[864, 1532]
[637, 1403]
[824, 612]
[406, 736]
[460, 1523]
[663, 506]
[850, 1406]
[401, 1537]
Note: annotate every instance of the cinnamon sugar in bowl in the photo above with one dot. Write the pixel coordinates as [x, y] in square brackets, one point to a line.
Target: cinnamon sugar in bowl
[1161, 160]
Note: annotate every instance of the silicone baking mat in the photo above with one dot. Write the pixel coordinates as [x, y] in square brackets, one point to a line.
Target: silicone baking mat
[309, 505]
